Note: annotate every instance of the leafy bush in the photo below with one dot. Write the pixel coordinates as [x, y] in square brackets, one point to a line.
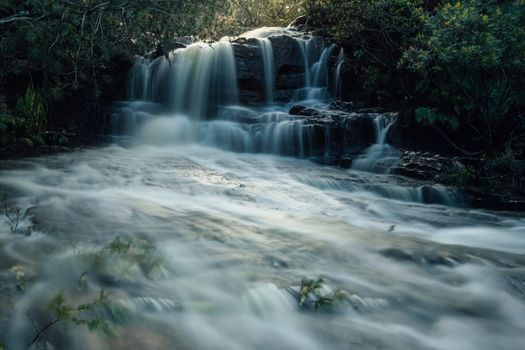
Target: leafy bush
[27, 122]
[31, 107]
[89, 314]
[250, 14]
[375, 34]
[313, 291]
[461, 62]
[470, 58]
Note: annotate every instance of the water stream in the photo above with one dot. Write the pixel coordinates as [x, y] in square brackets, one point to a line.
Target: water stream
[203, 216]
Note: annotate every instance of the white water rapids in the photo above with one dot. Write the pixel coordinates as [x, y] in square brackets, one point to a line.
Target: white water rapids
[226, 239]
[234, 229]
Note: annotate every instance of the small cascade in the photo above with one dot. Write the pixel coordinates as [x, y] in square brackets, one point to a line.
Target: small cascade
[274, 133]
[426, 194]
[337, 74]
[268, 66]
[380, 156]
[303, 47]
[147, 80]
[319, 72]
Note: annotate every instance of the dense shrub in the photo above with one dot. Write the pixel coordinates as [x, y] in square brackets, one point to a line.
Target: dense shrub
[375, 35]
[460, 64]
[470, 57]
[77, 52]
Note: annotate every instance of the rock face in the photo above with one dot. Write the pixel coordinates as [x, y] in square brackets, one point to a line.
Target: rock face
[426, 166]
[250, 75]
[348, 132]
[289, 58]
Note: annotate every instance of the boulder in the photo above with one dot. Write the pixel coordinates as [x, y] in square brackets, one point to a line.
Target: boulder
[427, 166]
[250, 76]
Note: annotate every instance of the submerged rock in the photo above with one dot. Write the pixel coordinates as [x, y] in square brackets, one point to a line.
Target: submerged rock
[442, 169]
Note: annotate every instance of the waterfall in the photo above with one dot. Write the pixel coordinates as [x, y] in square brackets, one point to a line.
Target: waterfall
[268, 66]
[319, 73]
[147, 80]
[337, 74]
[203, 77]
[197, 87]
[194, 81]
[379, 156]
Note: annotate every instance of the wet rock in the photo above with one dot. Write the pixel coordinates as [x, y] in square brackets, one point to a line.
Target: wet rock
[287, 53]
[426, 166]
[306, 111]
[347, 132]
[486, 199]
[283, 95]
[289, 81]
[356, 106]
[437, 168]
[345, 162]
[250, 76]
[347, 106]
[424, 258]
[288, 65]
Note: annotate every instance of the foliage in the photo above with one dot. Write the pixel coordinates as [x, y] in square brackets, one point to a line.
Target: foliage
[461, 64]
[123, 257]
[88, 314]
[313, 291]
[78, 52]
[466, 177]
[249, 14]
[470, 57]
[32, 108]
[63, 139]
[432, 115]
[27, 122]
[375, 33]
[14, 216]
[117, 259]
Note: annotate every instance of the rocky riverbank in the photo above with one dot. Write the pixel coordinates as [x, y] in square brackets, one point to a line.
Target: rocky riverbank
[352, 125]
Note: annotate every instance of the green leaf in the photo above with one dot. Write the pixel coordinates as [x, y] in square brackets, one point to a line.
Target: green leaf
[432, 116]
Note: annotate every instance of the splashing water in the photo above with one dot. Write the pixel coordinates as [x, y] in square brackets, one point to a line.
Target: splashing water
[380, 156]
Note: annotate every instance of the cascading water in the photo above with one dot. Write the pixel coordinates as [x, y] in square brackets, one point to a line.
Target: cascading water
[267, 58]
[319, 72]
[303, 46]
[197, 102]
[201, 248]
[194, 80]
[380, 156]
[199, 83]
[337, 74]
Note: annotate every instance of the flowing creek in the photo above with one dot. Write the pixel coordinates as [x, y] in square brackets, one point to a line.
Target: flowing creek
[201, 229]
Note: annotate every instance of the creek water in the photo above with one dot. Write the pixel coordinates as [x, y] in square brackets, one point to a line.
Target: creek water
[201, 229]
